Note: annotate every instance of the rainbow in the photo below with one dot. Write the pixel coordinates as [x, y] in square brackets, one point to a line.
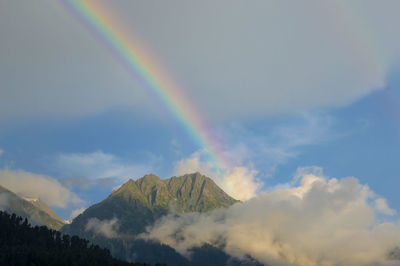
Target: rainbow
[137, 61]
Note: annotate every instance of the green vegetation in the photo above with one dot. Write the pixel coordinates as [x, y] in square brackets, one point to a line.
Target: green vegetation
[22, 244]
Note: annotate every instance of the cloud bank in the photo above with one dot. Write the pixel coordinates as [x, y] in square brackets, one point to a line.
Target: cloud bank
[317, 221]
[258, 58]
[32, 185]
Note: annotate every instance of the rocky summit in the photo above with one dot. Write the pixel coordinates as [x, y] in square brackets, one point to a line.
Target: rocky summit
[137, 204]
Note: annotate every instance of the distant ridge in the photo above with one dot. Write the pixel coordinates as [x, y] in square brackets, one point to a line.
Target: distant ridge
[32, 208]
[137, 204]
[43, 206]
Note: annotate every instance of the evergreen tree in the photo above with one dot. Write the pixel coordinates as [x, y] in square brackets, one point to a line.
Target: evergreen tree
[22, 244]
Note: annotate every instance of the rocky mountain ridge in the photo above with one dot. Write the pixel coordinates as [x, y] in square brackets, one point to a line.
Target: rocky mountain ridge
[38, 212]
[137, 204]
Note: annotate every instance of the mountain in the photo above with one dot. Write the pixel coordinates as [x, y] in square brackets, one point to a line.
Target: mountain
[35, 210]
[137, 204]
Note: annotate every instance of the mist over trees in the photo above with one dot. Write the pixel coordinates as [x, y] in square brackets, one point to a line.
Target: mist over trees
[22, 244]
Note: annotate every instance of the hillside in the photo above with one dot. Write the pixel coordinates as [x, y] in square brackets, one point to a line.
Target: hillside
[22, 244]
[35, 210]
[137, 204]
[44, 207]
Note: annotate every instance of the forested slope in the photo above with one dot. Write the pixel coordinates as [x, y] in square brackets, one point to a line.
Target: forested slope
[22, 244]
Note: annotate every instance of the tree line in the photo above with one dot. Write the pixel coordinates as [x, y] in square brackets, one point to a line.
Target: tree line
[23, 244]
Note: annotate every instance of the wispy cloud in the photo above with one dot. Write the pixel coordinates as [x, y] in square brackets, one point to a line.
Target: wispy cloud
[107, 228]
[76, 212]
[86, 169]
[278, 143]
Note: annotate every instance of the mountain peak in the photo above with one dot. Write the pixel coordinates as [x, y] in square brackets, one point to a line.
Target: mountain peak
[148, 181]
[191, 192]
[139, 203]
[149, 177]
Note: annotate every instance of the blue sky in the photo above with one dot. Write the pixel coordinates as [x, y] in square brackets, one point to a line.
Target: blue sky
[360, 140]
[280, 98]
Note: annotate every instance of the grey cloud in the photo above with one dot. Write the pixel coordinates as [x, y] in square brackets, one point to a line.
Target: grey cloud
[258, 58]
[56, 69]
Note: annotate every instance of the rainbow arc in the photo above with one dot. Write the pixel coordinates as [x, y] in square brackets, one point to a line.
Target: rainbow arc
[138, 62]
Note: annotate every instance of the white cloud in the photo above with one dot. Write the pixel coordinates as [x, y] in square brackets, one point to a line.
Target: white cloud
[276, 58]
[318, 221]
[240, 182]
[193, 164]
[107, 228]
[32, 185]
[87, 169]
[381, 206]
